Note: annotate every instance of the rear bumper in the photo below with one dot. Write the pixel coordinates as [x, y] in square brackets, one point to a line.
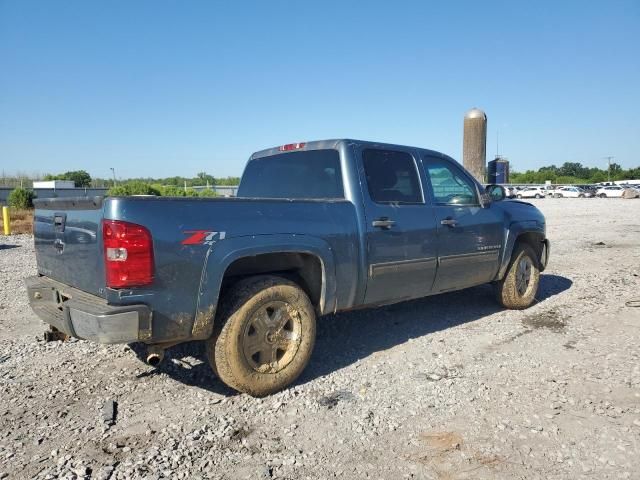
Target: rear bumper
[87, 316]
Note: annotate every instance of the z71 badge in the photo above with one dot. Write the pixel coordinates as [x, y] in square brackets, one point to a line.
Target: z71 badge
[202, 237]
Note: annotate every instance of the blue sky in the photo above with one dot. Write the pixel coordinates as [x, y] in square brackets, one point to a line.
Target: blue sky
[159, 88]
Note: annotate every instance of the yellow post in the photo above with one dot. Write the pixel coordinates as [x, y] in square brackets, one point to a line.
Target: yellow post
[5, 220]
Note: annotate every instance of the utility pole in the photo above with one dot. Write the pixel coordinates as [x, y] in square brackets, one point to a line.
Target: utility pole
[608, 159]
[113, 170]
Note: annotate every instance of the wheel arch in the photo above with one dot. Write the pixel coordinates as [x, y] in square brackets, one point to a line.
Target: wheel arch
[306, 260]
[527, 233]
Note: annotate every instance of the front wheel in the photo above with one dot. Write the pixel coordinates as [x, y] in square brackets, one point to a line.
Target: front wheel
[538, 195]
[519, 196]
[264, 335]
[603, 195]
[517, 290]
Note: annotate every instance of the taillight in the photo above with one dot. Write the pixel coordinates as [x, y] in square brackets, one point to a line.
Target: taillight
[128, 254]
[291, 146]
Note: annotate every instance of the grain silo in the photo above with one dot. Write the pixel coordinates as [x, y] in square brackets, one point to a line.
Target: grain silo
[474, 143]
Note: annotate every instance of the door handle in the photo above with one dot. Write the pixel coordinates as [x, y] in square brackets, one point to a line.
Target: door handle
[383, 222]
[449, 222]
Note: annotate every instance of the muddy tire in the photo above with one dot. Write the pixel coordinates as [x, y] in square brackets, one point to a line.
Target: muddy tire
[264, 335]
[517, 290]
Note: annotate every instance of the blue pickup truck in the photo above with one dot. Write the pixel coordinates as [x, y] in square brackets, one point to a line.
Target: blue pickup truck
[317, 228]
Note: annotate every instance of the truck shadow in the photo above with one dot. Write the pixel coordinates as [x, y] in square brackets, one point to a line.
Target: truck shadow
[347, 337]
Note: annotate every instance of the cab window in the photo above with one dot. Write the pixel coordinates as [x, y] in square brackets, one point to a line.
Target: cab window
[449, 185]
[392, 177]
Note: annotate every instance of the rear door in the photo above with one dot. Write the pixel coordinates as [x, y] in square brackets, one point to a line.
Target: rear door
[68, 248]
[400, 226]
[469, 236]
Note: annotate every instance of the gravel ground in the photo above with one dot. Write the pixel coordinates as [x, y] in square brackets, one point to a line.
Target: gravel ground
[448, 387]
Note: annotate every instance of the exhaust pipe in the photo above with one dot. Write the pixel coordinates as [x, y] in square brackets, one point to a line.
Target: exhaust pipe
[154, 356]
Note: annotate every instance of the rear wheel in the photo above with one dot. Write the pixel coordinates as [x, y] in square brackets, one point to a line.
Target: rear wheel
[603, 195]
[538, 195]
[519, 196]
[264, 335]
[517, 290]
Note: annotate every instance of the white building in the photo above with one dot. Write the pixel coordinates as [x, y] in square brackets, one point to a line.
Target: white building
[55, 184]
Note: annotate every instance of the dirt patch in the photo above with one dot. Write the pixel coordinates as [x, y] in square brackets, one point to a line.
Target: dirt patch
[443, 442]
[550, 320]
[331, 400]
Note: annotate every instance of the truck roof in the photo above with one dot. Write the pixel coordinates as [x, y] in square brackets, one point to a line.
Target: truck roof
[333, 143]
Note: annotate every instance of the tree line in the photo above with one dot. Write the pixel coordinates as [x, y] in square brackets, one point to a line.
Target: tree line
[575, 172]
[82, 179]
[22, 197]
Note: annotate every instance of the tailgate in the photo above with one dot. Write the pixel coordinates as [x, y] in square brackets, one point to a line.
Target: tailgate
[67, 241]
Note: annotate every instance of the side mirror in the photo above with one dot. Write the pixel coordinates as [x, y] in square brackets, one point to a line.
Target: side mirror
[496, 192]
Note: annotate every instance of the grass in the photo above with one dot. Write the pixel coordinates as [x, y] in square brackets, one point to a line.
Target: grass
[21, 221]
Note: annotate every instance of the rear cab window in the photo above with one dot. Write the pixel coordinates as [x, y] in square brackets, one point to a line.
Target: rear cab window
[307, 174]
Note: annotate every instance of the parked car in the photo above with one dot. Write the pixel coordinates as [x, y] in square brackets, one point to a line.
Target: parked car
[532, 192]
[317, 228]
[592, 189]
[510, 192]
[610, 191]
[631, 186]
[571, 192]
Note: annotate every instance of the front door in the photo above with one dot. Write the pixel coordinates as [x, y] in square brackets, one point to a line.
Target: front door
[469, 236]
[400, 227]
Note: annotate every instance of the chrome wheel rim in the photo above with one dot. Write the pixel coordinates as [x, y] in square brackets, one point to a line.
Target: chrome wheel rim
[523, 275]
[272, 337]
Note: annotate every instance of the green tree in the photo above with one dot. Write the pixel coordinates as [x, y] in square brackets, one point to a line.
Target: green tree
[228, 181]
[208, 193]
[204, 178]
[20, 198]
[118, 191]
[135, 187]
[80, 177]
[597, 176]
[172, 191]
[633, 173]
[573, 169]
